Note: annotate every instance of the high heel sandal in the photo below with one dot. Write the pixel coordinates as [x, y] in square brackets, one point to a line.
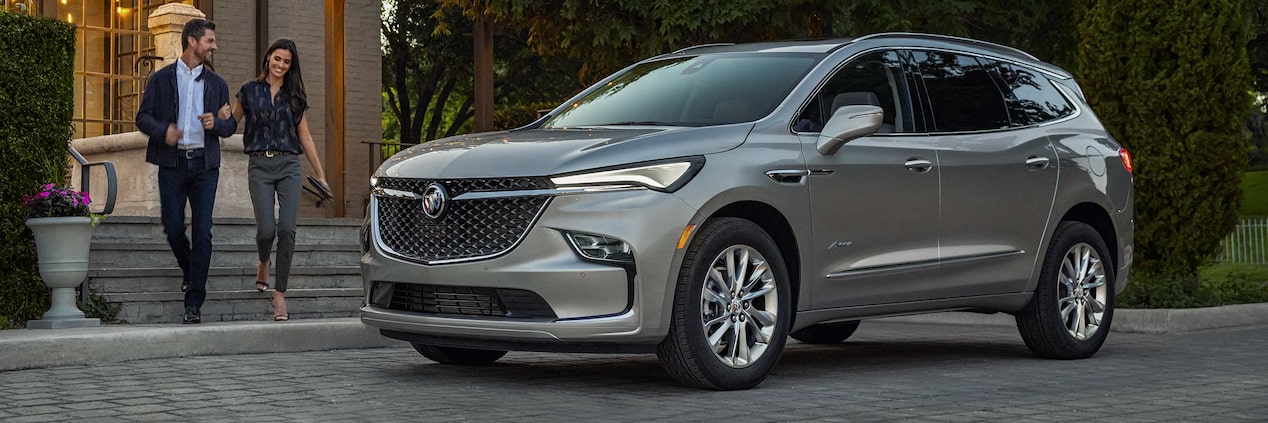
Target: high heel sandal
[280, 317]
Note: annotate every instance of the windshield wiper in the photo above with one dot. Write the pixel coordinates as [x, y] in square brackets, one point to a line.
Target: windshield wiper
[640, 123]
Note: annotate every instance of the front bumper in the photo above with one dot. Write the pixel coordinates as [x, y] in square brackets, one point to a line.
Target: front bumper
[594, 304]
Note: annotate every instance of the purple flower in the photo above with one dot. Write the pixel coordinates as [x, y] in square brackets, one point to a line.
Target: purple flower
[48, 187]
[43, 194]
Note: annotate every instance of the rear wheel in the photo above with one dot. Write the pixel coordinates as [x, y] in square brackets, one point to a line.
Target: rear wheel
[1070, 313]
[826, 333]
[731, 309]
[459, 356]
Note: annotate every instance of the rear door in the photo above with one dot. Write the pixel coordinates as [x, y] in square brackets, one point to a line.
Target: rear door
[998, 172]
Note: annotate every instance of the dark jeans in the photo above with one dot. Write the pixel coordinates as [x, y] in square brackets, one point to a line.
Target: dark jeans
[189, 181]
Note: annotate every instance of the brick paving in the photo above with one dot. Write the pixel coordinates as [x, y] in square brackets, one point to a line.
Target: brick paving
[886, 372]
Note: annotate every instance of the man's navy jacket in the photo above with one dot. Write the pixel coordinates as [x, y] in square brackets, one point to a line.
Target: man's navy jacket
[159, 109]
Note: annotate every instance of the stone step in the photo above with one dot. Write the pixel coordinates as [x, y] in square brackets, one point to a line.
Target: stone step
[238, 305]
[145, 254]
[132, 265]
[137, 228]
[167, 279]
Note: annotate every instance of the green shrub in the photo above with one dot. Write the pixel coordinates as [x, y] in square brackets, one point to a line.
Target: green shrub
[1156, 290]
[36, 104]
[97, 306]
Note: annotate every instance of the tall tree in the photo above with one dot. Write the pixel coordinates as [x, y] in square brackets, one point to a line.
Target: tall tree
[1257, 48]
[1171, 83]
[426, 72]
[606, 36]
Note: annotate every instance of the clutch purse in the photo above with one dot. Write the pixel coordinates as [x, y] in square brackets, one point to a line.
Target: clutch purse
[318, 189]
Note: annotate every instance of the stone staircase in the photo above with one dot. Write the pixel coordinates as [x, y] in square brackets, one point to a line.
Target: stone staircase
[132, 265]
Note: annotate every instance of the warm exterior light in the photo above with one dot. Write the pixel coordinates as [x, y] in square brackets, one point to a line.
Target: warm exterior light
[686, 236]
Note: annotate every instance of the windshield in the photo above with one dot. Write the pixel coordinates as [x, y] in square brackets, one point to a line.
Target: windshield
[691, 91]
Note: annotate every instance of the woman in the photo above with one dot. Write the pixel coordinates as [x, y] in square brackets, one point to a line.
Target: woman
[276, 135]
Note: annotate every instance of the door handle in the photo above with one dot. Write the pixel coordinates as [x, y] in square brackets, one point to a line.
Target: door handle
[918, 165]
[1036, 162]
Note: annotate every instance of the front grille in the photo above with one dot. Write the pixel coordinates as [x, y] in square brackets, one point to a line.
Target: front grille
[461, 300]
[468, 230]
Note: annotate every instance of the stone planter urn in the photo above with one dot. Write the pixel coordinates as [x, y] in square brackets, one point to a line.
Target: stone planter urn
[62, 245]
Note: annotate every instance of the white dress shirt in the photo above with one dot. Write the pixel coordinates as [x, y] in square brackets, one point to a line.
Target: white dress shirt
[190, 92]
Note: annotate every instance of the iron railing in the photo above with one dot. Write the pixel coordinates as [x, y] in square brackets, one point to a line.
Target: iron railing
[85, 185]
[380, 151]
[1248, 244]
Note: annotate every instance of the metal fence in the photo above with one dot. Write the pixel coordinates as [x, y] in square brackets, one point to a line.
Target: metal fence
[1248, 244]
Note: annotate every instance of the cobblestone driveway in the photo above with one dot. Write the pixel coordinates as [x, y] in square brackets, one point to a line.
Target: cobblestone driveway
[886, 372]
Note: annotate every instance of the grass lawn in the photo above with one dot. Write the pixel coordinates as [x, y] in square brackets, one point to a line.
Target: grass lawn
[1221, 271]
[1254, 194]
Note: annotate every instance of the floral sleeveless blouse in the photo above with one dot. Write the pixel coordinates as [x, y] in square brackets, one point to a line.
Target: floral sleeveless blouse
[271, 123]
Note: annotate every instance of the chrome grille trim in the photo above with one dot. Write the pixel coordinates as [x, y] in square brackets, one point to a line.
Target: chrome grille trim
[480, 242]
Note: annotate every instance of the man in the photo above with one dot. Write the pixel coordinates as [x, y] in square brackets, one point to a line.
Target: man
[180, 112]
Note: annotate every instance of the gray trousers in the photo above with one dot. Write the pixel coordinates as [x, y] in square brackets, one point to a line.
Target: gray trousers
[279, 177]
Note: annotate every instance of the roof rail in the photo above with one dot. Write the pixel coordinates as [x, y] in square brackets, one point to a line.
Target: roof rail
[701, 46]
[950, 38]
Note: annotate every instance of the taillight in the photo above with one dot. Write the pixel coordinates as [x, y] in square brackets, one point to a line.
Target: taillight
[1127, 159]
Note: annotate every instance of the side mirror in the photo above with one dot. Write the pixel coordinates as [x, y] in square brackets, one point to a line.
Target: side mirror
[847, 123]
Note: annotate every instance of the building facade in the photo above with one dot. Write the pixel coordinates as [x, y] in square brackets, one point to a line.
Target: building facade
[116, 50]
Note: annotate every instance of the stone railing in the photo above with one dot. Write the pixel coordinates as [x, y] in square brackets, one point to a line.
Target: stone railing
[138, 180]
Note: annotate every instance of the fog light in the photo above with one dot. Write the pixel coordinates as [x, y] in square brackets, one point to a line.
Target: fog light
[600, 248]
[381, 294]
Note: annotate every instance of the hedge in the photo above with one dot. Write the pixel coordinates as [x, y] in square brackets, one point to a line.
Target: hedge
[1172, 84]
[36, 106]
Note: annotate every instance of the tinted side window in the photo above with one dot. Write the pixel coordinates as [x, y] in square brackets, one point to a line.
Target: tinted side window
[871, 79]
[961, 93]
[1031, 97]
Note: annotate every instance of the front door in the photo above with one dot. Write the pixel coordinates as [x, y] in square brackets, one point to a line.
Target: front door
[874, 203]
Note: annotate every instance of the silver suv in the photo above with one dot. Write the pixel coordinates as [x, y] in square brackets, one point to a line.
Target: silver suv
[708, 203]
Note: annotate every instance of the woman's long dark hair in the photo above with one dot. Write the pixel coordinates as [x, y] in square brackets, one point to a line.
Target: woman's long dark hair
[293, 80]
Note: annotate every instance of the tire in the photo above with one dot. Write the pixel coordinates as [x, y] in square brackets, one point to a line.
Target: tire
[458, 356]
[1071, 320]
[826, 333]
[701, 348]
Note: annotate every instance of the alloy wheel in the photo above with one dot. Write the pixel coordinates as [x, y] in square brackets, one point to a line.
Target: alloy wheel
[739, 305]
[1082, 291]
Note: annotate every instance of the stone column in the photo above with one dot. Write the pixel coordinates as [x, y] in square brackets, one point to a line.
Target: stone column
[166, 24]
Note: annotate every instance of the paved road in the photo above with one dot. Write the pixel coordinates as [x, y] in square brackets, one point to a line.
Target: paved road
[886, 372]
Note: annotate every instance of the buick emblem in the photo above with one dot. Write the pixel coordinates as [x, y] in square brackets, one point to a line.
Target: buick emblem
[434, 201]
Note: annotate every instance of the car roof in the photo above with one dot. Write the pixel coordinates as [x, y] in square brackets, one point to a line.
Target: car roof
[898, 39]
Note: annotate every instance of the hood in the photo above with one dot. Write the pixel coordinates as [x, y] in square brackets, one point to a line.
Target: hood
[544, 152]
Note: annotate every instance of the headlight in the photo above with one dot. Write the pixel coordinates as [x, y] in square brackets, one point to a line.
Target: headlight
[374, 181]
[666, 176]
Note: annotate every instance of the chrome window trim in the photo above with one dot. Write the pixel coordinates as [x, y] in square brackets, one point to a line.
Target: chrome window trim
[1078, 109]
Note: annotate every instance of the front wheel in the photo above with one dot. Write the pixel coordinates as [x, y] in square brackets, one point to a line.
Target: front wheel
[1070, 313]
[455, 355]
[731, 311]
